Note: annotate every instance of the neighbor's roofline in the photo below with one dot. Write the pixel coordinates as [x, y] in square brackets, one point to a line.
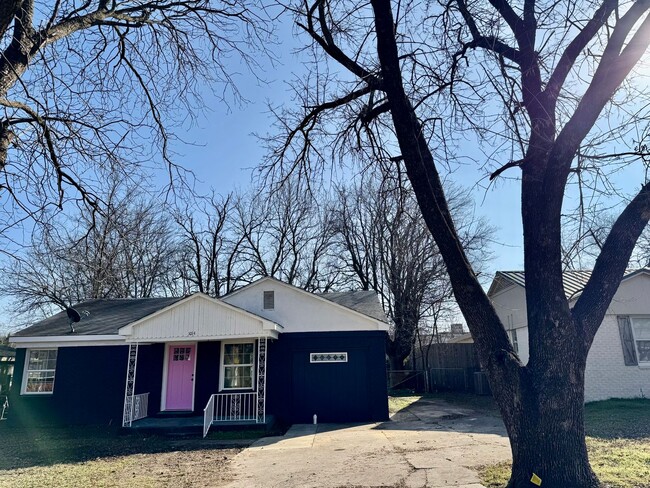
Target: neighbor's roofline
[313, 295]
[628, 275]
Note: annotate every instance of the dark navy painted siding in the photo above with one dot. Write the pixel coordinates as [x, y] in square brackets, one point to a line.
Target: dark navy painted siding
[148, 375]
[89, 384]
[337, 392]
[207, 373]
[88, 388]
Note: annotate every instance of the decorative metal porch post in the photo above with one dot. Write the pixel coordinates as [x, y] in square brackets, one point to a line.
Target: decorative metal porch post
[129, 390]
[261, 380]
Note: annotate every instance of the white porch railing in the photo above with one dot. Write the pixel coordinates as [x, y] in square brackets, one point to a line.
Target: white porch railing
[229, 407]
[208, 415]
[140, 406]
[136, 408]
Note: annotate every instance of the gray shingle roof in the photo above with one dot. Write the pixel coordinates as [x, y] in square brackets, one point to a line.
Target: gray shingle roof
[362, 301]
[105, 317]
[574, 281]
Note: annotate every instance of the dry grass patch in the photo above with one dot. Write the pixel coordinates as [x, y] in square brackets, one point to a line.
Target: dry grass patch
[618, 442]
[620, 463]
[397, 403]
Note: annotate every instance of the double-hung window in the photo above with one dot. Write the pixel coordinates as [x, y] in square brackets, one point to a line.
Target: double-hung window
[641, 331]
[237, 361]
[40, 367]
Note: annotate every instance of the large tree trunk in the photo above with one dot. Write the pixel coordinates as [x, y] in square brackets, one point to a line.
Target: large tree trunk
[546, 433]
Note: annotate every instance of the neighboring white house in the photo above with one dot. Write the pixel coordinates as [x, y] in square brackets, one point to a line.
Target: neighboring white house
[618, 365]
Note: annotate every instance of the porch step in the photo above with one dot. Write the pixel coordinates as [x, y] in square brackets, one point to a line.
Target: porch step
[170, 424]
[193, 424]
[175, 414]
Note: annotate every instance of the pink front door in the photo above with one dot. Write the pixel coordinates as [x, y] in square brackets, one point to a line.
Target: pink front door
[180, 377]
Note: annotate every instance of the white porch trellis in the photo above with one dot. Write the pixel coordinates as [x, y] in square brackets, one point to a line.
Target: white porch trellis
[261, 380]
[127, 417]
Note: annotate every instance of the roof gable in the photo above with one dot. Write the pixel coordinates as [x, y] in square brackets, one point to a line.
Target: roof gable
[362, 302]
[301, 311]
[199, 317]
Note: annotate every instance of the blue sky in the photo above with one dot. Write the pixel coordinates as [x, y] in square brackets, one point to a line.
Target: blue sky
[225, 150]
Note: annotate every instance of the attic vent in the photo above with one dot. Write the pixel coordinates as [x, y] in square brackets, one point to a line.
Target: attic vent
[269, 300]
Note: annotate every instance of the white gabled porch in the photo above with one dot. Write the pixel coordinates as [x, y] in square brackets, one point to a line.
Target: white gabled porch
[238, 397]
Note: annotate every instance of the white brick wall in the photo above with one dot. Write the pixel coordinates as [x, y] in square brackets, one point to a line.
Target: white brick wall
[607, 376]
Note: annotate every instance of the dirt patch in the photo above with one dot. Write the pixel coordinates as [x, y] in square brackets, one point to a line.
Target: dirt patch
[103, 457]
[206, 468]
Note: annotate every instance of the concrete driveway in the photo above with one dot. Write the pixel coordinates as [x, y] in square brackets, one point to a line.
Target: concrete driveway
[429, 444]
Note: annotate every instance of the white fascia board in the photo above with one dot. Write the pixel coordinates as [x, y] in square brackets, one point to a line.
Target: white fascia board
[66, 341]
[268, 334]
[381, 325]
[266, 324]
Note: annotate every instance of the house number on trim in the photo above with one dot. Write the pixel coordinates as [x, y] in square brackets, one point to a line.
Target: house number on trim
[328, 357]
[191, 333]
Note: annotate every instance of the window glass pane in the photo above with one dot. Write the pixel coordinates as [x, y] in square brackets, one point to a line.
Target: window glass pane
[41, 360]
[40, 381]
[181, 353]
[35, 361]
[644, 350]
[238, 354]
[641, 329]
[238, 377]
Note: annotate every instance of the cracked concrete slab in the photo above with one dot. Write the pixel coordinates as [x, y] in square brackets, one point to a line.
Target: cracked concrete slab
[427, 445]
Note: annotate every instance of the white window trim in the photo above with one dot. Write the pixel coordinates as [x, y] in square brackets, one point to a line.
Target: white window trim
[23, 386]
[222, 366]
[640, 364]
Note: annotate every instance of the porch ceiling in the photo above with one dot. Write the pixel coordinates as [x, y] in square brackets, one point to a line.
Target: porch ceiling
[197, 318]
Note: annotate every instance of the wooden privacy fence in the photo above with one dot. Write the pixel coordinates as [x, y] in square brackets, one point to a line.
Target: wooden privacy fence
[456, 367]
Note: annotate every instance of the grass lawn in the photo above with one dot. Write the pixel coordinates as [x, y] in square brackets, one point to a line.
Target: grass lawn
[101, 457]
[618, 440]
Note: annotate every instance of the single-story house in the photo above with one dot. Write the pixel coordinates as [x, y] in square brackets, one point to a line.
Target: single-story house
[618, 364]
[266, 349]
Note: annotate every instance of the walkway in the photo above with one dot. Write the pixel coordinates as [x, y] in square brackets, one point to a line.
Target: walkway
[429, 444]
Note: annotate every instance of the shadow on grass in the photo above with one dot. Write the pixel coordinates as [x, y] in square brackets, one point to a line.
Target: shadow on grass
[22, 447]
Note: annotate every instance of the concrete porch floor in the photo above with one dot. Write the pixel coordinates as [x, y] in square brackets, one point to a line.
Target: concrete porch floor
[193, 424]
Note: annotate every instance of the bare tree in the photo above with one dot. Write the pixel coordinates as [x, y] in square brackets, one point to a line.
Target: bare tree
[387, 247]
[92, 88]
[128, 250]
[529, 82]
[209, 261]
[287, 235]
